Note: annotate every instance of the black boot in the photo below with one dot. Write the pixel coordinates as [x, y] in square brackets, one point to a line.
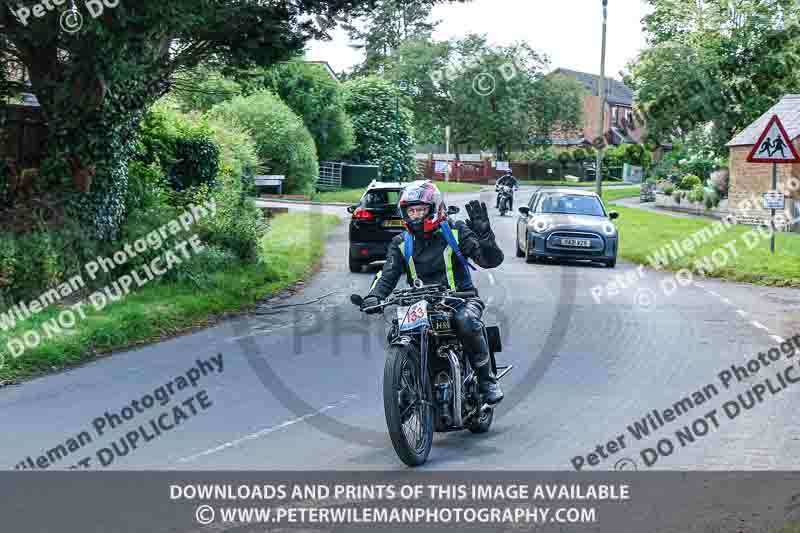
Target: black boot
[488, 386]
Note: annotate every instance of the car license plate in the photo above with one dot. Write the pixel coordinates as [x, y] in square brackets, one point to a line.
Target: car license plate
[582, 243]
[393, 224]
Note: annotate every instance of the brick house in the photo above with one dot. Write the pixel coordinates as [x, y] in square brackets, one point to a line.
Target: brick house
[749, 180]
[619, 123]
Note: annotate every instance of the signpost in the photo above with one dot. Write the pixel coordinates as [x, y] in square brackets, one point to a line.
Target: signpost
[774, 146]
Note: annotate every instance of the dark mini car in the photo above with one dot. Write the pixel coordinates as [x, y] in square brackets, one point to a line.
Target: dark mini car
[376, 220]
[567, 224]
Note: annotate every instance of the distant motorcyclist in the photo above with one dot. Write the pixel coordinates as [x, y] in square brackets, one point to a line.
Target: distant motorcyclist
[435, 261]
[511, 181]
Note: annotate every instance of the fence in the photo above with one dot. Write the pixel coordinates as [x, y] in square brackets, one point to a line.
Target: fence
[330, 175]
[23, 132]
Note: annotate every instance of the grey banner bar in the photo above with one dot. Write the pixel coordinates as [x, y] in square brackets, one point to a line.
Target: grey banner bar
[123, 502]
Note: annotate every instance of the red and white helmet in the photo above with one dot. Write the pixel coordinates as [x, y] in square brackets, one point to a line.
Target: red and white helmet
[423, 192]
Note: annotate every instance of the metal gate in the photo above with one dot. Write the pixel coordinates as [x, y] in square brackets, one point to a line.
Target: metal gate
[330, 175]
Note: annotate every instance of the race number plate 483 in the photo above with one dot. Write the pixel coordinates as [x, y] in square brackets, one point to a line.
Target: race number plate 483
[414, 316]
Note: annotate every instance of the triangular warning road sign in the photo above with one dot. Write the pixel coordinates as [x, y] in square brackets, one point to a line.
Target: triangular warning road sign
[774, 145]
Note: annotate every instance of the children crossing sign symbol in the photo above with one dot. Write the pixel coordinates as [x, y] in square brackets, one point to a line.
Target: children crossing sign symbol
[774, 145]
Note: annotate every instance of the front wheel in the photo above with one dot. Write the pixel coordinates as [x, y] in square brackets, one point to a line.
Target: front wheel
[409, 414]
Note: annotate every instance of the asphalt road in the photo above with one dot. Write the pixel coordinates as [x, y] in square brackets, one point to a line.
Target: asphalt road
[300, 386]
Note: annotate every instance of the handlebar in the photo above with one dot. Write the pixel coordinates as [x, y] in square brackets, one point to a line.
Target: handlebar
[464, 295]
[427, 293]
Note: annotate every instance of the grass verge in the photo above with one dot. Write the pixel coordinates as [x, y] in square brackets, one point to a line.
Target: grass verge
[609, 195]
[564, 183]
[742, 253]
[291, 249]
[352, 196]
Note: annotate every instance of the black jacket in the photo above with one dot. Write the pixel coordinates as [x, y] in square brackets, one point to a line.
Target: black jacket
[429, 260]
[508, 179]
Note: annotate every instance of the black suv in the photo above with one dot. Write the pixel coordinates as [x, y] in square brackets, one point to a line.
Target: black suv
[376, 220]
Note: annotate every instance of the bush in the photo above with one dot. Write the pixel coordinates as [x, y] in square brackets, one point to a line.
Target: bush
[580, 155]
[147, 186]
[35, 262]
[382, 138]
[318, 100]
[689, 182]
[184, 148]
[668, 190]
[5, 194]
[238, 152]
[204, 264]
[719, 182]
[540, 153]
[697, 194]
[281, 139]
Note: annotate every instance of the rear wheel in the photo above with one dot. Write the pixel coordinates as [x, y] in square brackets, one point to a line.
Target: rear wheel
[409, 414]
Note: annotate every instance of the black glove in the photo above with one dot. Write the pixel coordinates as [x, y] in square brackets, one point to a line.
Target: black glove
[478, 220]
[370, 301]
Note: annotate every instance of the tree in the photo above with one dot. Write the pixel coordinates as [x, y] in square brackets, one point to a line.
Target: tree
[318, 99]
[202, 88]
[282, 141]
[484, 93]
[556, 106]
[715, 61]
[490, 97]
[383, 137]
[418, 67]
[93, 84]
[382, 30]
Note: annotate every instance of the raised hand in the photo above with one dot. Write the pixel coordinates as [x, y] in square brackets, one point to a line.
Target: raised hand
[478, 220]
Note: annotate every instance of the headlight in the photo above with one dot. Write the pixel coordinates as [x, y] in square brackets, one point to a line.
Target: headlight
[609, 229]
[539, 225]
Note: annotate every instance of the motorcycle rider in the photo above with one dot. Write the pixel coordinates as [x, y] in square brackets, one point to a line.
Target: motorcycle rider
[432, 260]
[511, 181]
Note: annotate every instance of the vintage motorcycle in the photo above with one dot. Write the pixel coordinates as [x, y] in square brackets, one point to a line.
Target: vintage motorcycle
[506, 194]
[428, 383]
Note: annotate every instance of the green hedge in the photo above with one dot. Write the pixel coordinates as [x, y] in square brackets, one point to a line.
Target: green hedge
[282, 141]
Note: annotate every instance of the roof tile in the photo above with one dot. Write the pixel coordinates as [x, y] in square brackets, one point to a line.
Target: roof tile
[788, 111]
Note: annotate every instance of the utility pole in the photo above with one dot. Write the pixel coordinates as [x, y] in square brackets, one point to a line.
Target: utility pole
[447, 151]
[602, 92]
